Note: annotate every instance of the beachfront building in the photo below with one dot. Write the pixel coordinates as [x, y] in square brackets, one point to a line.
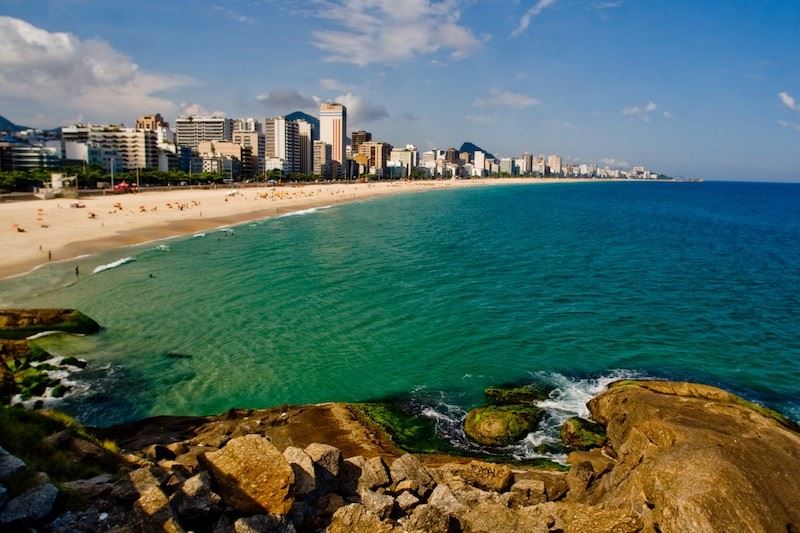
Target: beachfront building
[479, 164]
[256, 143]
[192, 130]
[282, 144]
[137, 148]
[357, 138]
[24, 156]
[406, 157]
[322, 159]
[305, 132]
[554, 164]
[332, 130]
[246, 125]
[377, 154]
[223, 157]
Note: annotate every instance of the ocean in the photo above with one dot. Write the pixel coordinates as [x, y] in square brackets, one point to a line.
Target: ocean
[435, 296]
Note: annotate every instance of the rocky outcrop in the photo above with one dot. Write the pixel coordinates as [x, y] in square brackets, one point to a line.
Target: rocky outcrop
[500, 425]
[694, 458]
[22, 323]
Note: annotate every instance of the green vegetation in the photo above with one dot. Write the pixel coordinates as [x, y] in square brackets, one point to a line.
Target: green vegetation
[517, 394]
[581, 434]
[501, 425]
[408, 431]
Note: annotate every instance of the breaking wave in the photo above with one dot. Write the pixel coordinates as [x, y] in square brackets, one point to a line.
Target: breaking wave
[113, 264]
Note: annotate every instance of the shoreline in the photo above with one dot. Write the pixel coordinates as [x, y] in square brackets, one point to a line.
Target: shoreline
[34, 230]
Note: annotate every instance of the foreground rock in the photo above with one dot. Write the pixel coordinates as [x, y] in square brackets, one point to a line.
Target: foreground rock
[696, 458]
[22, 323]
[501, 425]
[581, 434]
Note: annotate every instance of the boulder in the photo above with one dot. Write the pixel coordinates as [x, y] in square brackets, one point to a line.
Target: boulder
[29, 508]
[194, 501]
[349, 479]
[516, 394]
[696, 458]
[494, 517]
[427, 519]
[10, 465]
[375, 474]
[92, 488]
[486, 476]
[305, 480]
[327, 461]
[152, 511]
[591, 519]
[252, 475]
[502, 424]
[263, 524]
[527, 492]
[380, 504]
[406, 501]
[3, 497]
[356, 518]
[581, 434]
[22, 323]
[409, 467]
[443, 499]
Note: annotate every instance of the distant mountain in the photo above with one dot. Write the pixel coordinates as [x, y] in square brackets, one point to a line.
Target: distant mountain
[10, 127]
[314, 121]
[471, 148]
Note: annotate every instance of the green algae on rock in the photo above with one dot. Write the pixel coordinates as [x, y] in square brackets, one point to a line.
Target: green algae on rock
[581, 434]
[22, 323]
[500, 425]
[516, 394]
[407, 430]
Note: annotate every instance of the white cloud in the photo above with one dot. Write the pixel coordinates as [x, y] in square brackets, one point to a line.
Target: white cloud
[608, 5]
[235, 17]
[614, 163]
[500, 98]
[641, 112]
[667, 114]
[789, 101]
[288, 100]
[40, 69]
[188, 108]
[388, 31]
[360, 110]
[792, 125]
[529, 15]
[335, 85]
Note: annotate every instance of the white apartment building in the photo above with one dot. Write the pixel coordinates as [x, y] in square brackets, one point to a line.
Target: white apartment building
[305, 132]
[136, 148]
[282, 143]
[192, 130]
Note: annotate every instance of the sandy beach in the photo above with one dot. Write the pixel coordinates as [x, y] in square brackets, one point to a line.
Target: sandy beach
[40, 231]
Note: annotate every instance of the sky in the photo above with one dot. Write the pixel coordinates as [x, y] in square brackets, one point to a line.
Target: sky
[705, 89]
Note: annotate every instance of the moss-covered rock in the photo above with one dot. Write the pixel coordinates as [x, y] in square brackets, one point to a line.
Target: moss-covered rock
[516, 394]
[22, 323]
[500, 425]
[407, 430]
[581, 434]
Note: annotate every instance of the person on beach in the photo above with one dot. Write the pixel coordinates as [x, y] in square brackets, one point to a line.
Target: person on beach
[77, 271]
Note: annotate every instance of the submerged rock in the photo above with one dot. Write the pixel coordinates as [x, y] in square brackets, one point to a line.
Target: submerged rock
[516, 394]
[581, 434]
[22, 323]
[501, 425]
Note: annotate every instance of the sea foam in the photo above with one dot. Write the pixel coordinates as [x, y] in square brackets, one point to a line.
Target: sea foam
[308, 211]
[113, 264]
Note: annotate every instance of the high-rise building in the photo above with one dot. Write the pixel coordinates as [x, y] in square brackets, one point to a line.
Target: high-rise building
[406, 157]
[322, 159]
[305, 131]
[192, 130]
[451, 156]
[527, 164]
[255, 142]
[282, 144]
[332, 129]
[554, 163]
[507, 166]
[377, 154]
[136, 148]
[246, 124]
[480, 163]
[151, 122]
[357, 138]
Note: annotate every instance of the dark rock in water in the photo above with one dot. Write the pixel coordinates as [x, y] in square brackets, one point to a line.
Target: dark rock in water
[74, 361]
[581, 434]
[22, 323]
[517, 394]
[59, 390]
[501, 425]
[30, 507]
[177, 355]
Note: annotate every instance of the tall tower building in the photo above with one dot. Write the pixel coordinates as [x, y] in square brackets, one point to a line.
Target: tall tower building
[332, 128]
[306, 136]
[282, 144]
[554, 162]
[322, 159]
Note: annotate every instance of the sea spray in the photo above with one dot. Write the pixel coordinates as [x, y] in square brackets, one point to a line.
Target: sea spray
[113, 264]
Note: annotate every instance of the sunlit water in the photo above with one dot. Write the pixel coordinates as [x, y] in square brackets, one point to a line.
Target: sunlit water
[441, 294]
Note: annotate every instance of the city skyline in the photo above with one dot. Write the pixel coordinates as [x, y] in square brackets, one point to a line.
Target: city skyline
[698, 91]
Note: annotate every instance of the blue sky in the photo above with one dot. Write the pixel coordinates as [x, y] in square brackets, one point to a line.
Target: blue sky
[697, 89]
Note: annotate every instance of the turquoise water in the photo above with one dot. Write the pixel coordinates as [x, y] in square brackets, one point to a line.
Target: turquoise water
[440, 294]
